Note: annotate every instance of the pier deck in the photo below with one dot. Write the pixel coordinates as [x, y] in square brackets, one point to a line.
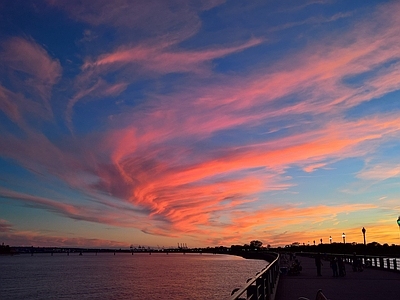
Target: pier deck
[371, 284]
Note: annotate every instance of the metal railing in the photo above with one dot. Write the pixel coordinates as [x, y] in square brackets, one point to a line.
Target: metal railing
[367, 261]
[378, 262]
[262, 286]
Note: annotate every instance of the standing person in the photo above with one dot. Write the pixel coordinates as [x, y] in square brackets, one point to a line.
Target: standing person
[318, 263]
[355, 262]
[334, 266]
[341, 266]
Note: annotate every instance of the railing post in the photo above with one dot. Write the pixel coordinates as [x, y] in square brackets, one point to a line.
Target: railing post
[252, 292]
[271, 279]
[395, 264]
[260, 282]
[382, 265]
[267, 283]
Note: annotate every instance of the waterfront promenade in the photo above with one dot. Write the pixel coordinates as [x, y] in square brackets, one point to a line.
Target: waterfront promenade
[371, 284]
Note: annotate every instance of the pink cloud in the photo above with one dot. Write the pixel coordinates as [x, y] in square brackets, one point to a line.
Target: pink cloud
[115, 215]
[150, 16]
[27, 94]
[380, 171]
[161, 59]
[8, 106]
[5, 226]
[319, 69]
[30, 58]
[41, 202]
[312, 20]
[178, 191]
[175, 20]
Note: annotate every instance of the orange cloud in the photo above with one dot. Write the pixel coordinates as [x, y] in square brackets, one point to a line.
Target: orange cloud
[283, 225]
[189, 195]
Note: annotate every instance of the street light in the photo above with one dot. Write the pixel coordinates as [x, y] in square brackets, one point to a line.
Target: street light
[363, 232]
[330, 240]
[398, 223]
[344, 238]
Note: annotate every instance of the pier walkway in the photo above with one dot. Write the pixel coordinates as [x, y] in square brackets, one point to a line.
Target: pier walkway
[370, 284]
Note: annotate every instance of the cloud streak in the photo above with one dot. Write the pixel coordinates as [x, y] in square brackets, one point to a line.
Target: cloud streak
[31, 74]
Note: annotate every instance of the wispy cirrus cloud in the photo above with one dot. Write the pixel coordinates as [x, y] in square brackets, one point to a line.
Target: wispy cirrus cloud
[8, 104]
[156, 60]
[176, 20]
[26, 56]
[5, 226]
[31, 74]
[380, 171]
[91, 91]
[317, 20]
[161, 59]
[115, 216]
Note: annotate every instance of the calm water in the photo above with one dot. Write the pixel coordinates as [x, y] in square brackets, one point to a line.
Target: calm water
[124, 276]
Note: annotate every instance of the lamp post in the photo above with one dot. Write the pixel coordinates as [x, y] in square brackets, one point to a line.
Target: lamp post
[363, 232]
[398, 223]
[330, 240]
[344, 238]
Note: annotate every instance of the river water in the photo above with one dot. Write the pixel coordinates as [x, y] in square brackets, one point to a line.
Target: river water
[124, 276]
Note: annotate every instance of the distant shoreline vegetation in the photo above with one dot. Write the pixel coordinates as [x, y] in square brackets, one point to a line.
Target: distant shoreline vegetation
[6, 250]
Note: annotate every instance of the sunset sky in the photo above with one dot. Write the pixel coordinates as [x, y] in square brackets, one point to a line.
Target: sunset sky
[205, 122]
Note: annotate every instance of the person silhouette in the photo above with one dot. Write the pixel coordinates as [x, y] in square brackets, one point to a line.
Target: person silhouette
[334, 266]
[341, 266]
[318, 263]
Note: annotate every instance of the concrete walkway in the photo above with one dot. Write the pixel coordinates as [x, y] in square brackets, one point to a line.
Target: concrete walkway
[370, 284]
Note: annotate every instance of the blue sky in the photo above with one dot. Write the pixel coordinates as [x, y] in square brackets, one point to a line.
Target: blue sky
[201, 122]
